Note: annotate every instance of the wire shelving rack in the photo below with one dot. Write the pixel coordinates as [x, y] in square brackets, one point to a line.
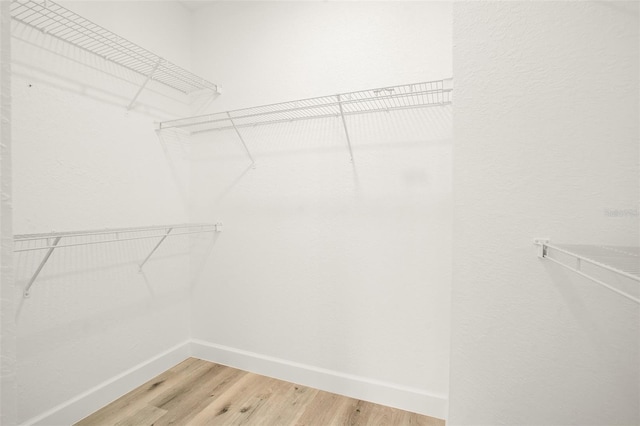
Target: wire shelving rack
[61, 23]
[416, 95]
[622, 261]
[52, 241]
[343, 105]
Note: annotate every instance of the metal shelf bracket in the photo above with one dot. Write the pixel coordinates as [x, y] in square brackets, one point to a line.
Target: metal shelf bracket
[42, 263]
[153, 250]
[542, 246]
[253, 162]
[144, 84]
[344, 124]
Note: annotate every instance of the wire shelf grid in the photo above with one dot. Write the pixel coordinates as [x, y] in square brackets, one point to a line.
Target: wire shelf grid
[391, 98]
[63, 24]
[33, 242]
[51, 241]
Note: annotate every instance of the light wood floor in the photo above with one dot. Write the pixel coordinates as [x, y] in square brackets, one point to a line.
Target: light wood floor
[197, 392]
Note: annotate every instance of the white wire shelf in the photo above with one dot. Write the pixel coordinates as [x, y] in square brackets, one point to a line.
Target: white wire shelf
[622, 261]
[51, 241]
[63, 24]
[385, 99]
[416, 95]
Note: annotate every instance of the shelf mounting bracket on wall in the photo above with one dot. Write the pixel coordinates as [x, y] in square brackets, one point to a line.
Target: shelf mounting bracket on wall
[153, 250]
[42, 263]
[144, 84]
[253, 162]
[344, 124]
[602, 257]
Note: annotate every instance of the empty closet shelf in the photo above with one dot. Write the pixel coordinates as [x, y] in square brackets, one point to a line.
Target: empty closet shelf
[621, 262]
[49, 242]
[61, 23]
[416, 95]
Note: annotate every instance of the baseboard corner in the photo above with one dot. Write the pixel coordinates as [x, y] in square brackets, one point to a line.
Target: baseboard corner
[380, 392]
[77, 408]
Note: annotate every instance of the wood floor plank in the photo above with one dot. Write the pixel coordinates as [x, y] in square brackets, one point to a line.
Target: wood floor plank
[187, 402]
[246, 409]
[172, 397]
[414, 419]
[357, 415]
[138, 398]
[285, 407]
[324, 409]
[200, 393]
[220, 410]
[383, 416]
[148, 415]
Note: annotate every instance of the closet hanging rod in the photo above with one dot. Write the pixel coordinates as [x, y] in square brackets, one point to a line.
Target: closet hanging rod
[623, 261]
[61, 23]
[415, 95]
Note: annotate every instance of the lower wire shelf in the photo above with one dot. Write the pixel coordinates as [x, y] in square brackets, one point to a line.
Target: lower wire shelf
[52, 241]
[622, 261]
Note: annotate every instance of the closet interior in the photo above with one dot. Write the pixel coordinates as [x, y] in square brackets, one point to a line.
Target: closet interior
[151, 158]
[321, 135]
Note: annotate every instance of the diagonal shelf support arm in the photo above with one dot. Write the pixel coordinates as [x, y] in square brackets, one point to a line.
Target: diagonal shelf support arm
[253, 162]
[42, 263]
[164, 237]
[344, 124]
[144, 84]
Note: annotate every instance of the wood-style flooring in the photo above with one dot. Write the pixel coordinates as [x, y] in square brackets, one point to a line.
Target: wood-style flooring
[197, 392]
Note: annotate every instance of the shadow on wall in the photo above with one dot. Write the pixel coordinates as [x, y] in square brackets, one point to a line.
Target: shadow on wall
[176, 148]
[200, 254]
[107, 278]
[227, 189]
[311, 142]
[585, 323]
[73, 69]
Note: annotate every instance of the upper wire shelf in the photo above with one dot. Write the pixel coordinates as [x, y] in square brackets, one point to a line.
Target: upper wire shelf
[52, 241]
[416, 95]
[622, 261]
[63, 24]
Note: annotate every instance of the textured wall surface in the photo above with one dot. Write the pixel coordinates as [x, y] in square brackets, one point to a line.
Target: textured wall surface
[7, 288]
[323, 263]
[546, 143]
[81, 161]
[266, 52]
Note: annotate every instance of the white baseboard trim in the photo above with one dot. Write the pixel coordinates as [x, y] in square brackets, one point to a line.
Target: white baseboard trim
[380, 392]
[97, 397]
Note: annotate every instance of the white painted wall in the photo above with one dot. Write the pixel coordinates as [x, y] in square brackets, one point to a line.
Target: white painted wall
[8, 401]
[546, 141]
[267, 52]
[327, 273]
[82, 162]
